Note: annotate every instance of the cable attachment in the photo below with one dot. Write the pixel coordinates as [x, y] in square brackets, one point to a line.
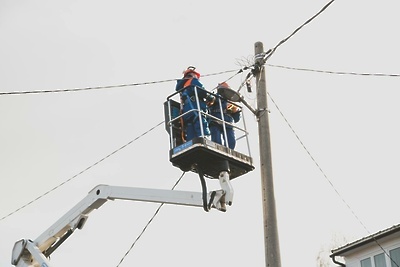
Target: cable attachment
[247, 81]
[220, 198]
[216, 199]
[262, 58]
[206, 206]
[256, 69]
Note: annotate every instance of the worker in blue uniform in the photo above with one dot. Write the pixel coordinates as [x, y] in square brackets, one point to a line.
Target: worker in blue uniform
[194, 123]
[224, 111]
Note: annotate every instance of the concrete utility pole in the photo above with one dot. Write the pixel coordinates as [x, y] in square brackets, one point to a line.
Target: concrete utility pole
[271, 239]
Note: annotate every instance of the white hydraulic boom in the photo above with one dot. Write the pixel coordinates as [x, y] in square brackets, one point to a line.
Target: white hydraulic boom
[28, 253]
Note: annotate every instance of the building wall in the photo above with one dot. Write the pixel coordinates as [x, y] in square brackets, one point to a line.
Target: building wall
[370, 251]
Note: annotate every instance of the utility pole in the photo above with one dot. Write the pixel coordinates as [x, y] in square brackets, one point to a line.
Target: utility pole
[271, 239]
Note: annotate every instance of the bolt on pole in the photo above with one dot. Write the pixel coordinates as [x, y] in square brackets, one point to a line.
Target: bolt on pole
[271, 239]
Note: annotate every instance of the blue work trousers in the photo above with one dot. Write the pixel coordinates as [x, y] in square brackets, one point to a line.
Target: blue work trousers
[193, 128]
[217, 135]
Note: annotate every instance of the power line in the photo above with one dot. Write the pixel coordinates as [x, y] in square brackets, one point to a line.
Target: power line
[326, 177]
[109, 155]
[162, 81]
[206, 75]
[148, 223]
[269, 53]
[81, 172]
[82, 89]
[336, 72]
[100, 87]
[313, 159]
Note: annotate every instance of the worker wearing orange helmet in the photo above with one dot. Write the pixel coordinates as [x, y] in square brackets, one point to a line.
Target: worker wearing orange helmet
[187, 86]
[226, 111]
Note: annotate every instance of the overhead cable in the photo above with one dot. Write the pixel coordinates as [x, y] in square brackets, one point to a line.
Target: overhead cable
[313, 159]
[81, 172]
[270, 52]
[148, 223]
[81, 89]
[326, 177]
[99, 87]
[336, 72]
[206, 75]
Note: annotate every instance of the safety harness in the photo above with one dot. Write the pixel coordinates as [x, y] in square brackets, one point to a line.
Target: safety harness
[187, 99]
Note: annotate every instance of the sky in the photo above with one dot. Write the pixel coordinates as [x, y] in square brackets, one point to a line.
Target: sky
[334, 137]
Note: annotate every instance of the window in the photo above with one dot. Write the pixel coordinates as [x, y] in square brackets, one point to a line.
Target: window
[366, 262]
[395, 257]
[379, 260]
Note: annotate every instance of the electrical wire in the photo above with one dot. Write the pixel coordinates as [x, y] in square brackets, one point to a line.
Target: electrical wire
[109, 155]
[162, 81]
[156, 212]
[100, 87]
[148, 223]
[270, 52]
[336, 72]
[313, 159]
[81, 172]
[82, 89]
[326, 177]
[266, 57]
[206, 75]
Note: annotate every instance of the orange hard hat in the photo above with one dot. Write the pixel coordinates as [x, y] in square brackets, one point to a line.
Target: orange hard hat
[223, 85]
[191, 69]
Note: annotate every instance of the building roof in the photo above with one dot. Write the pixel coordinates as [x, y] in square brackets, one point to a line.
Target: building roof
[366, 241]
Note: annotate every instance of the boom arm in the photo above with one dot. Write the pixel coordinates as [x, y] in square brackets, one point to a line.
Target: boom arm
[28, 253]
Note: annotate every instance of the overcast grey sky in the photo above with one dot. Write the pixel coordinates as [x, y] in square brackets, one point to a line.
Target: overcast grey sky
[348, 123]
